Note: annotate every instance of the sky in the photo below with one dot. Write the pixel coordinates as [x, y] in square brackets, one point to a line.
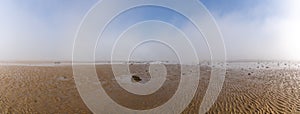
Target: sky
[251, 29]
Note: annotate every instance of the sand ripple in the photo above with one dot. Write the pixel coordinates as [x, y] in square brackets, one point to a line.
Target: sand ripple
[42, 89]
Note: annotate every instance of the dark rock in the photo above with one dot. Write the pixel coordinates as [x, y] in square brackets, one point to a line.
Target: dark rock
[136, 78]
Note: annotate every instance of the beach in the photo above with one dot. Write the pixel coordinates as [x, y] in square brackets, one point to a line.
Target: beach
[268, 87]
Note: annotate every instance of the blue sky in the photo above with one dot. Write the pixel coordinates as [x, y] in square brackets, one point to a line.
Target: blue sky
[252, 29]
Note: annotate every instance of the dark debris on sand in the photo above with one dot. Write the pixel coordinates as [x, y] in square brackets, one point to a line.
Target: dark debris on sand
[136, 78]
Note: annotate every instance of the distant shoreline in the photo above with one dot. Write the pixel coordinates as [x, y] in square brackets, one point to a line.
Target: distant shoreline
[228, 65]
[107, 62]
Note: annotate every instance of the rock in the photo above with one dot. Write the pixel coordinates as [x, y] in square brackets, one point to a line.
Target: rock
[136, 78]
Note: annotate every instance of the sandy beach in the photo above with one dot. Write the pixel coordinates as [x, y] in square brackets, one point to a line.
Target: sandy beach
[258, 88]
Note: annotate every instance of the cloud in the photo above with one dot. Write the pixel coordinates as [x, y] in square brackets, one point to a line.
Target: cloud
[260, 31]
[34, 30]
[287, 27]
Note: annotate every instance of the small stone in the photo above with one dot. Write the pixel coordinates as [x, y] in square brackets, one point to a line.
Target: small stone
[62, 78]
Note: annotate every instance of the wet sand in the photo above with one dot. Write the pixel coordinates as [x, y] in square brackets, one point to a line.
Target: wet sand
[51, 89]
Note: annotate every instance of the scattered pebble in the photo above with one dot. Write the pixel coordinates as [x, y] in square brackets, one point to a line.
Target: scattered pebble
[62, 78]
